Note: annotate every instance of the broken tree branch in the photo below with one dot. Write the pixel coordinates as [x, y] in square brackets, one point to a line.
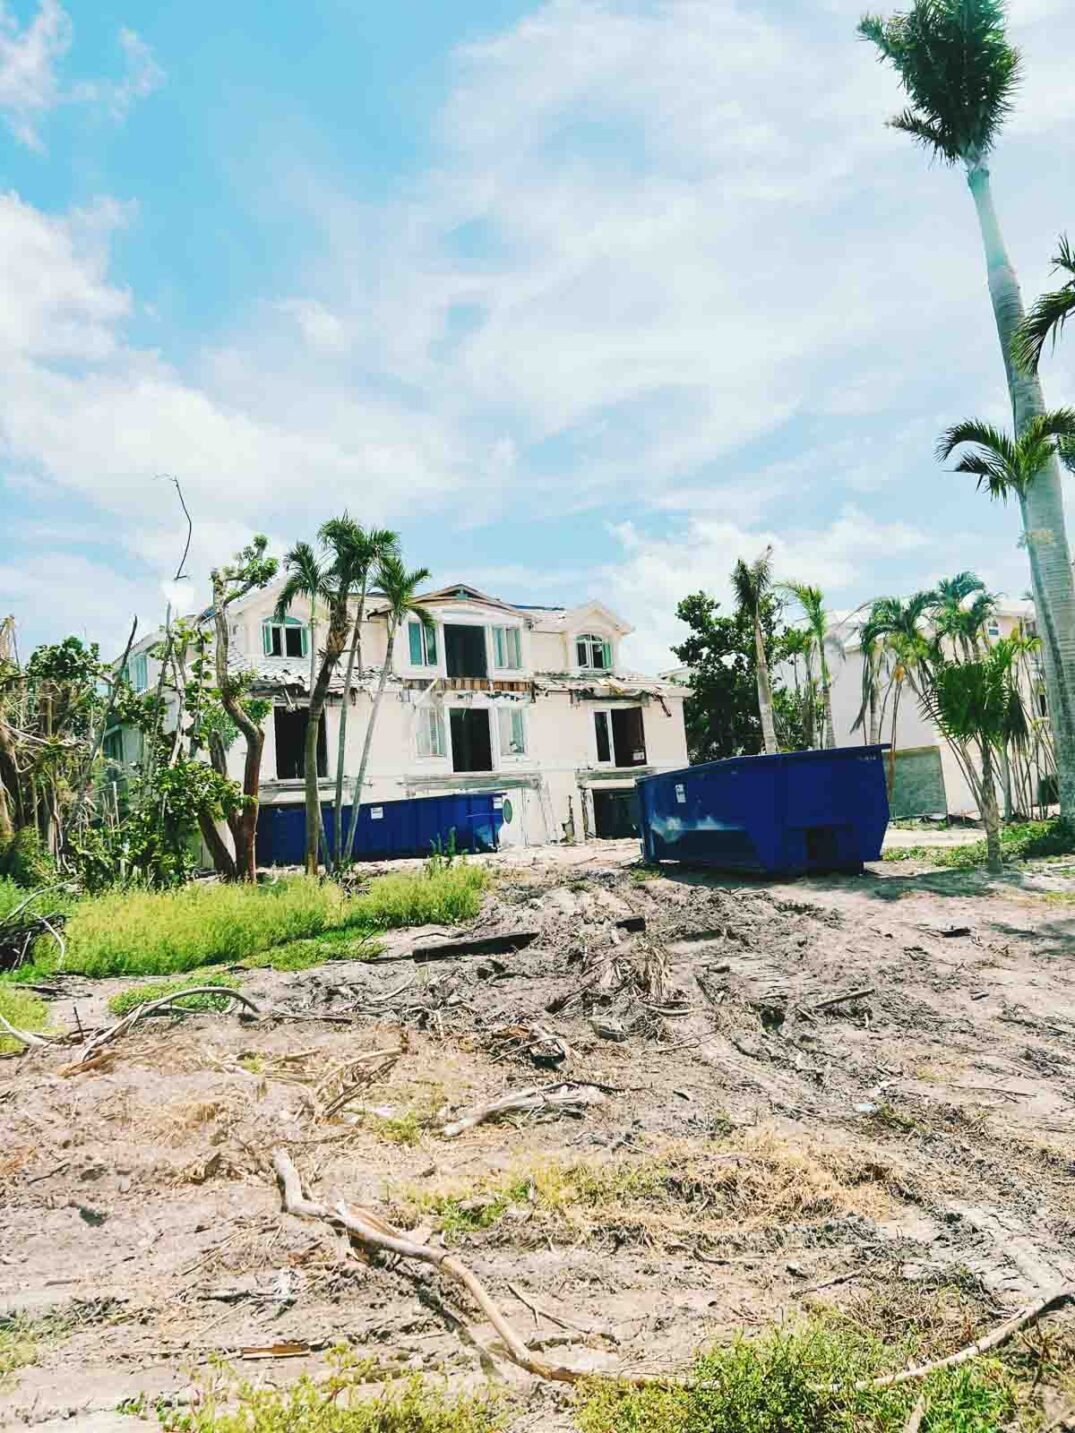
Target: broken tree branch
[127, 1024]
[1000, 1335]
[835, 1000]
[372, 1233]
[28, 1039]
[535, 1097]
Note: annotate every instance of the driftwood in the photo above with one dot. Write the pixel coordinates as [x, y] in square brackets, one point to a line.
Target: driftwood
[152, 1007]
[373, 1234]
[835, 1000]
[30, 1040]
[457, 949]
[536, 1097]
[1000, 1335]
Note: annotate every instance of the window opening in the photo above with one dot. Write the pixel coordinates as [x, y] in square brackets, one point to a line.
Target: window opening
[628, 737]
[604, 741]
[290, 730]
[285, 639]
[464, 651]
[431, 738]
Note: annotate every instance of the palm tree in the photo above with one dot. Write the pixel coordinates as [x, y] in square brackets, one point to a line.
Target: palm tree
[956, 619]
[1006, 467]
[960, 73]
[979, 701]
[1048, 316]
[818, 626]
[371, 545]
[332, 578]
[752, 586]
[400, 591]
[905, 651]
[796, 644]
[872, 647]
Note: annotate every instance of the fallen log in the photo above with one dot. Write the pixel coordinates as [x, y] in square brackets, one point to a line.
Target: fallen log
[536, 1097]
[30, 1040]
[458, 949]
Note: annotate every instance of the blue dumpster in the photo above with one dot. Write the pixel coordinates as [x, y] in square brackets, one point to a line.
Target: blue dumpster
[414, 827]
[783, 815]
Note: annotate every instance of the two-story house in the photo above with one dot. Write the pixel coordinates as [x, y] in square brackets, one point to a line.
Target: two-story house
[530, 701]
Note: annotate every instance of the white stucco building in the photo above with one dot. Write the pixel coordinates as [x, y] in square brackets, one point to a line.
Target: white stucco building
[533, 702]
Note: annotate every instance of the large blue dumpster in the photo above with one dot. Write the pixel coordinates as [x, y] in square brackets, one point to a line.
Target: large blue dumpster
[414, 827]
[778, 815]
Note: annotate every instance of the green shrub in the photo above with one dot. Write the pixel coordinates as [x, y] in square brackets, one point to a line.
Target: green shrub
[804, 1380]
[124, 1001]
[346, 944]
[24, 1010]
[25, 861]
[440, 894]
[313, 1405]
[1019, 841]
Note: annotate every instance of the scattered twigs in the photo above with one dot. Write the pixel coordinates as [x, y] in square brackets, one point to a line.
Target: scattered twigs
[1000, 1335]
[341, 1086]
[373, 1234]
[27, 1038]
[540, 1311]
[835, 1000]
[166, 1002]
[567, 1097]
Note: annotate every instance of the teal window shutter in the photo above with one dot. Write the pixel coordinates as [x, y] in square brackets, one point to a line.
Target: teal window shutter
[498, 647]
[266, 638]
[414, 635]
[431, 646]
[606, 648]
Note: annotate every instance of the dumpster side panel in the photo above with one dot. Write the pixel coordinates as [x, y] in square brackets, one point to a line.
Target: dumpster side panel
[414, 827]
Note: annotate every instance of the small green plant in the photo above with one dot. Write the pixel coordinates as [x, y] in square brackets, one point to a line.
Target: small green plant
[18, 1346]
[890, 1117]
[24, 1010]
[397, 1129]
[335, 1404]
[644, 872]
[124, 1001]
[440, 894]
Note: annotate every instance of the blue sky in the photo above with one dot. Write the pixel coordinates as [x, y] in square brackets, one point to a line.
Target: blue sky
[587, 299]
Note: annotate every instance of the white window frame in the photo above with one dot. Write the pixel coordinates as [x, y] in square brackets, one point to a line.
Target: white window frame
[599, 760]
[503, 639]
[286, 623]
[436, 712]
[591, 639]
[513, 710]
[426, 637]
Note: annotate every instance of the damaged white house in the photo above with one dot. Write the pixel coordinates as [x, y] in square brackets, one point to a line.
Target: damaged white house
[530, 702]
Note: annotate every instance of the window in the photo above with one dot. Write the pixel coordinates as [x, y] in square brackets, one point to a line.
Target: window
[464, 650]
[138, 672]
[993, 627]
[604, 740]
[511, 727]
[112, 745]
[290, 727]
[431, 740]
[507, 648]
[423, 645]
[284, 639]
[593, 653]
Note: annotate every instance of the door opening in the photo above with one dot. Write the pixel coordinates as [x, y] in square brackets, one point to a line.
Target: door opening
[472, 747]
[290, 730]
[628, 736]
[615, 814]
[464, 651]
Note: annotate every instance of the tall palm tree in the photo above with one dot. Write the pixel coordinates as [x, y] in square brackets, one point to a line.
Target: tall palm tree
[371, 545]
[906, 653]
[960, 73]
[752, 586]
[979, 702]
[872, 647]
[796, 644]
[1011, 467]
[332, 577]
[955, 618]
[401, 601]
[1048, 316]
[823, 640]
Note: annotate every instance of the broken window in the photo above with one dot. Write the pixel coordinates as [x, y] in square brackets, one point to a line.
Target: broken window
[431, 738]
[290, 729]
[511, 729]
[507, 648]
[464, 650]
[284, 639]
[594, 654]
[472, 747]
[423, 644]
[604, 739]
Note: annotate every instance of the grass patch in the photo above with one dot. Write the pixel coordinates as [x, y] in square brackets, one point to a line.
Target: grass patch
[289, 924]
[763, 1181]
[18, 1347]
[24, 1010]
[124, 1001]
[336, 1404]
[1020, 841]
[804, 1380]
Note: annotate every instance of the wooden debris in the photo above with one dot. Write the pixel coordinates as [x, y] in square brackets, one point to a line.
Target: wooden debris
[570, 1098]
[31, 1041]
[476, 945]
[607, 1027]
[341, 1085]
[152, 1007]
[835, 1000]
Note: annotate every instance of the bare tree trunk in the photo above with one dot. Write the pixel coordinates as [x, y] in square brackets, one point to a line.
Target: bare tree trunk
[223, 860]
[765, 692]
[354, 655]
[826, 700]
[245, 825]
[367, 744]
[990, 813]
[335, 641]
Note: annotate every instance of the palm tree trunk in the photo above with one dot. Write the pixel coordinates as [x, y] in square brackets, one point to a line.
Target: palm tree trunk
[765, 692]
[1043, 504]
[990, 813]
[875, 711]
[367, 743]
[892, 744]
[826, 701]
[354, 654]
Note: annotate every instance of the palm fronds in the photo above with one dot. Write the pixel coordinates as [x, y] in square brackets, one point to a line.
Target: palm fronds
[1048, 316]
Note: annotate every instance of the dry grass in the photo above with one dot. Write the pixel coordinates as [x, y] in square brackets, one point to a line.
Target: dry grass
[755, 1182]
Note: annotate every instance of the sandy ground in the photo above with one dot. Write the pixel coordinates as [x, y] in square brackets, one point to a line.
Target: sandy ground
[916, 1136]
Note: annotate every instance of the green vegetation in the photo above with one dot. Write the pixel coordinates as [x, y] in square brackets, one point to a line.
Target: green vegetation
[1019, 841]
[803, 1380]
[124, 1001]
[25, 1011]
[290, 924]
[329, 1405]
[18, 1346]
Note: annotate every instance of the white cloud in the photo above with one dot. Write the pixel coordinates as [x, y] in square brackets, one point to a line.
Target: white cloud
[30, 58]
